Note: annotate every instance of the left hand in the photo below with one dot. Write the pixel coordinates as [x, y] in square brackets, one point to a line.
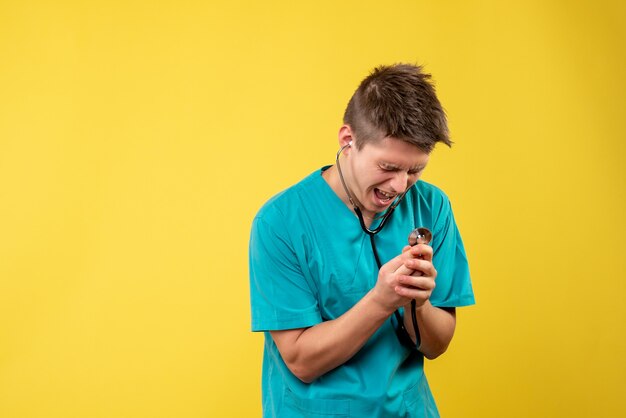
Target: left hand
[417, 273]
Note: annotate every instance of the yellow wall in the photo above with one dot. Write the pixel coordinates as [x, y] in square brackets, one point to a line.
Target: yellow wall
[138, 139]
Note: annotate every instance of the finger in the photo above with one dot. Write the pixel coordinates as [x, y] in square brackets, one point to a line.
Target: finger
[412, 293]
[410, 254]
[405, 267]
[404, 271]
[406, 248]
[417, 282]
[423, 266]
[393, 264]
[421, 251]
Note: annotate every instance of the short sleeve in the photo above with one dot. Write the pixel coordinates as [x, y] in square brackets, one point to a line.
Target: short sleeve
[280, 295]
[453, 286]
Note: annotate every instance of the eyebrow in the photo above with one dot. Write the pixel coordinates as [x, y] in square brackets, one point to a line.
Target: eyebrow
[395, 167]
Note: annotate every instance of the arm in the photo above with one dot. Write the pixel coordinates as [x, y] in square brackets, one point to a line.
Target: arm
[436, 325]
[311, 352]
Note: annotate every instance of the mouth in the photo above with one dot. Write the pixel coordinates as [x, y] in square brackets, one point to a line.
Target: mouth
[384, 198]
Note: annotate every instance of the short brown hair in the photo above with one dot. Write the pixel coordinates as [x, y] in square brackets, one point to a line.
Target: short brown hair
[397, 101]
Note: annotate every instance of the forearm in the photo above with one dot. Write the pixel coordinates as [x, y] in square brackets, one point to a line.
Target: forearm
[313, 351]
[436, 328]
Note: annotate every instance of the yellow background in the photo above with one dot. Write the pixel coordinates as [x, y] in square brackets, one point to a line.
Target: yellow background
[138, 139]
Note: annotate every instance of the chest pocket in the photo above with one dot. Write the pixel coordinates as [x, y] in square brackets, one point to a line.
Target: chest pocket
[347, 272]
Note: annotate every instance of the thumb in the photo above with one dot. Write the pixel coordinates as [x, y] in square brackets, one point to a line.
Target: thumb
[393, 264]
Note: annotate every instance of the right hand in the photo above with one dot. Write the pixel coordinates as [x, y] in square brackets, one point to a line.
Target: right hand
[398, 284]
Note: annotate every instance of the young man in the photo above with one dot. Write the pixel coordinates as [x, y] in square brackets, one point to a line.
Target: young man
[334, 300]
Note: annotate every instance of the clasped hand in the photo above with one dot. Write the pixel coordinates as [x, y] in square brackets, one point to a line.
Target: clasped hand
[411, 275]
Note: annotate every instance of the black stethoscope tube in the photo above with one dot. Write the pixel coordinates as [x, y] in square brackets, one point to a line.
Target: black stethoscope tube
[401, 332]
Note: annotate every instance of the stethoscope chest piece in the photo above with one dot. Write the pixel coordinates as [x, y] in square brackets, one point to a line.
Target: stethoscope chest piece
[420, 236]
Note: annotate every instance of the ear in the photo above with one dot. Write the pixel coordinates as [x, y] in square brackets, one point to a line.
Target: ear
[345, 137]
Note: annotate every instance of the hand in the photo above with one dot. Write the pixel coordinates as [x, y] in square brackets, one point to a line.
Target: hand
[416, 276]
[411, 275]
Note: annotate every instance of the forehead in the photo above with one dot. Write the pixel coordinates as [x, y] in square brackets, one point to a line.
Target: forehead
[396, 152]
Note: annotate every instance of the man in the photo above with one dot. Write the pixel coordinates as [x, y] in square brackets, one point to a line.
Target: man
[334, 345]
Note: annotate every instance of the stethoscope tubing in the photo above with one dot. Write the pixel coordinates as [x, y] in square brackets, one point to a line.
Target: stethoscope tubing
[401, 332]
[356, 208]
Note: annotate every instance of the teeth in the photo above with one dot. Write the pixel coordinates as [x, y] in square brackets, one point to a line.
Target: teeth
[385, 195]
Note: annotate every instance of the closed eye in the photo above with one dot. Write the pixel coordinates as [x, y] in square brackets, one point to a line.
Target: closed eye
[393, 169]
[389, 168]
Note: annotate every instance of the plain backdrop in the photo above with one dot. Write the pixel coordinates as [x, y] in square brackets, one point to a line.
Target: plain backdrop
[139, 138]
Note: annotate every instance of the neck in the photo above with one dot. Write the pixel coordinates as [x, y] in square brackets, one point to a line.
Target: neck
[331, 175]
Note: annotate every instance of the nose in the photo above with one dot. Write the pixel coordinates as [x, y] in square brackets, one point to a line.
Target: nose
[400, 181]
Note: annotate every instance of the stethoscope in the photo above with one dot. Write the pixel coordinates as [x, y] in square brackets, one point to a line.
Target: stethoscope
[357, 210]
[417, 236]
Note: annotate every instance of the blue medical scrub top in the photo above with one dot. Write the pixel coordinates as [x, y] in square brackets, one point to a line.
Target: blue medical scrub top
[310, 262]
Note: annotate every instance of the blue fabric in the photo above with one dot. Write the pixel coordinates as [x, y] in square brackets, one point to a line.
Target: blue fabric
[311, 262]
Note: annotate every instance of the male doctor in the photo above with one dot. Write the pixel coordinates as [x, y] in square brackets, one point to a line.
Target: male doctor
[348, 309]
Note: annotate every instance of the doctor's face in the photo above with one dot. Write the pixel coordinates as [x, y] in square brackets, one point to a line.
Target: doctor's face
[382, 170]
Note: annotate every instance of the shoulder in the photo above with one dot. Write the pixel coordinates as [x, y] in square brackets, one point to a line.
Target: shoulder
[429, 195]
[286, 204]
[429, 190]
